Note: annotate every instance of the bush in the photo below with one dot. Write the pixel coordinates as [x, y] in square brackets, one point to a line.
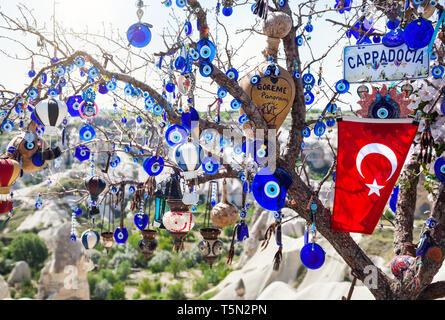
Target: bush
[101, 290]
[228, 231]
[30, 248]
[95, 256]
[192, 257]
[200, 285]
[136, 296]
[26, 289]
[117, 292]
[108, 275]
[176, 292]
[145, 286]
[124, 270]
[92, 281]
[159, 261]
[176, 265]
[128, 255]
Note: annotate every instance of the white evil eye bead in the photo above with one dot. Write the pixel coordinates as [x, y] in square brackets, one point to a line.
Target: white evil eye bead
[320, 128]
[52, 92]
[175, 136]
[206, 69]
[342, 86]
[60, 71]
[438, 72]
[309, 98]
[271, 189]
[255, 80]
[128, 90]
[208, 136]
[79, 61]
[217, 247]
[237, 149]
[235, 104]
[33, 93]
[93, 72]
[232, 73]
[243, 118]
[7, 125]
[149, 102]
[181, 3]
[204, 247]
[194, 54]
[29, 145]
[222, 93]
[111, 85]
[158, 109]
[306, 132]
[188, 28]
[205, 52]
[382, 113]
[299, 40]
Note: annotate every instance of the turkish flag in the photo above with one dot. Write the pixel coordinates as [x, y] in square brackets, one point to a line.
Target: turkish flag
[370, 156]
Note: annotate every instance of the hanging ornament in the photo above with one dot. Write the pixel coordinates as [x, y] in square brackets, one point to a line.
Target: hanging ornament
[261, 8]
[224, 213]
[426, 144]
[312, 255]
[427, 245]
[9, 172]
[439, 169]
[270, 188]
[139, 34]
[90, 239]
[95, 186]
[407, 89]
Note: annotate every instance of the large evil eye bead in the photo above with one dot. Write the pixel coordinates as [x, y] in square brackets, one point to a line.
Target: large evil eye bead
[188, 28]
[320, 128]
[153, 166]
[194, 54]
[79, 61]
[222, 93]
[438, 72]
[306, 132]
[342, 86]
[299, 40]
[235, 104]
[272, 189]
[232, 73]
[217, 247]
[175, 135]
[204, 247]
[331, 107]
[181, 3]
[158, 109]
[93, 72]
[205, 52]
[439, 169]
[87, 133]
[206, 69]
[255, 80]
[382, 113]
[33, 93]
[309, 98]
[7, 125]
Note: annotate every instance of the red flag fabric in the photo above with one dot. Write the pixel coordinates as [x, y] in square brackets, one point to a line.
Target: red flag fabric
[370, 156]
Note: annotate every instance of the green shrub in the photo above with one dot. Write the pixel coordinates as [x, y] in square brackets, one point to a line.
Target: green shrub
[129, 254]
[145, 286]
[124, 270]
[176, 265]
[176, 292]
[30, 248]
[160, 261]
[136, 296]
[200, 285]
[26, 289]
[92, 281]
[117, 292]
[101, 290]
[228, 231]
[108, 275]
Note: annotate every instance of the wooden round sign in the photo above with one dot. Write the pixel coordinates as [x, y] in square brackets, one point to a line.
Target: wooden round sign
[273, 96]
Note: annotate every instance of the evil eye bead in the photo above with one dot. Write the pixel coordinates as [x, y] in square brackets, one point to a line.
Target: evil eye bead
[227, 11]
[43, 78]
[206, 69]
[204, 247]
[235, 104]
[153, 166]
[330, 122]
[29, 145]
[176, 135]
[382, 113]
[205, 52]
[255, 80]
[149, 103]
[217, 247]
[232, 73]
[306, 132]
[206, 49]
[132, 189]
[52, 92]
[111, 85]
[194, 55]
[299, 40]
[138, 119]
[331, 107]
[181, 3]
[79, 61]
[297, 75]
[87, 133]
[33, 93]
[121, 235]
[271, 189]
[60, 71]
[438, 72]
[158, 109]
[180, 63]
[128, 90]
[342, 86]
[282, 3]
[222, 93]
[320, 128]
[418, 2]
[237, 149]
[170, 87]
[439, 169]
[82, 153]
[7, 125]
[93, 72]
[168, 3]
[188, 28]
[208, 136]
[309, 28]
[309, 98]
[210, 165]
[243, 118]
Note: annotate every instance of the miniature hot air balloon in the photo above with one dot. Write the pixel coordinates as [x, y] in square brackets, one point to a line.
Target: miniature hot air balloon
[51, 112]
[90, 239]
[188, 157]
[9, 172]
[95, 186]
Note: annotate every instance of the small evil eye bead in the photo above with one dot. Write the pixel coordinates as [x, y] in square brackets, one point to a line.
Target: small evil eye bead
[376, 39]
[206, 69]
[243, 118]
[235, 104]
[79, 61]
[306, 132]
[139, 119]
[268, 71]
[128, 90]
[131, 189]
[418, 2]
[93, 72]
[297, 75]
[438, 72]
[181, 3]
[114, 189]
[277, 215]
[309, 28]
[320, 128]
[43, 78]
[243, 214]
[188, 28]
[282, 3]
[60, 71]
[194, 55]
[255, 80]
[168, 3]
[7, 125]
[39, 206]
[331, 107]
[330, 122]
[299, 40]
[87, 133]
[31, 74]
[309, 98]
[342, 86]
[158, 109]
[382, 113]
[170, 87]
[222, 93]
[433, 2]
[208, 136]
[261, 153]
[52, 92]
[29, 145]
[111, 85]
[33, 93]
[272, 189]
[127, 149]
[232, 73]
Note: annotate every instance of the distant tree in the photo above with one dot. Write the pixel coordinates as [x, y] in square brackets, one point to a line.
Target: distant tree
[117, 292]
[30, 248]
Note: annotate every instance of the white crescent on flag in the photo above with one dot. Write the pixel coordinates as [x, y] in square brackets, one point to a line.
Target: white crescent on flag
[380, 149]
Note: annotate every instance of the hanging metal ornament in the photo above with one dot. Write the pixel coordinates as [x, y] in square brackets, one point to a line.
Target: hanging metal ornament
[139, 34]
[426, 144]
[224, 213]
[106, 237]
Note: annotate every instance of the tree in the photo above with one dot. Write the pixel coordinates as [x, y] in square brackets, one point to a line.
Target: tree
[123, 63]
[30, 248]
[117, 292]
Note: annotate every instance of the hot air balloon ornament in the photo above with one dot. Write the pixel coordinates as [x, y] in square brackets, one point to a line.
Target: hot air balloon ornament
[95, 185]
[9, 172]
[272, 91]
[90, 239]
[384, 103]
[139, 34]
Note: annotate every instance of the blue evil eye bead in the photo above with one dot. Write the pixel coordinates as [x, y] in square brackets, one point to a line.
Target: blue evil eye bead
[206, 49]
[33, 92]
[179, 63]
[312, 256]
[7, 125]
[208, 135]
[206, 69]
[139, 34]
[132, 189]
[227, 11]
[309, 98]
[224, 142]
[31, 74]
[309, 28]
[138, 119]
[153, 166]
[376, 39]
[243, 118]
[168, 3]
[297, 74]
[87, 133]
[149, 103]
[170, 87]
[222, 93]
[121, 235]
[176, 135]
[39, 205]
[394, 38]
[111, 85]
[190, 119]
[210, 165]
[188, 28]
[88, 95]
[418, 33]
[181, 3]
[255, 80]
[330, 122]
[299, 40]
[237, 149]
[306, 132]
[439, 169]
[331, 107]
[232, 73]
[393, 24]
[79, 61]
[128, 90]
[93, 72]
[29, 145]
[43, 78]
[73, 104]
[438, 72]
[141, 221]
[282, 3]
[320, 128]
[158, 109]
[308, 81]
[103, 89]
[52, 92]
[194, 55]
[82, 153]
[342, 86]
[270, 188]
[60, 71]
[127, 149]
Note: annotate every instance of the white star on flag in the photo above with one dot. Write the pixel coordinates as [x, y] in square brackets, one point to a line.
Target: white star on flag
[374, 188]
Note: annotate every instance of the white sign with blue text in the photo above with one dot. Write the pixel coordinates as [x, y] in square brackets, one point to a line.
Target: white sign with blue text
[378, 63]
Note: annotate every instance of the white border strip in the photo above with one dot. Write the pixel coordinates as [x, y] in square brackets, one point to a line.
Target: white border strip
[370, 120]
